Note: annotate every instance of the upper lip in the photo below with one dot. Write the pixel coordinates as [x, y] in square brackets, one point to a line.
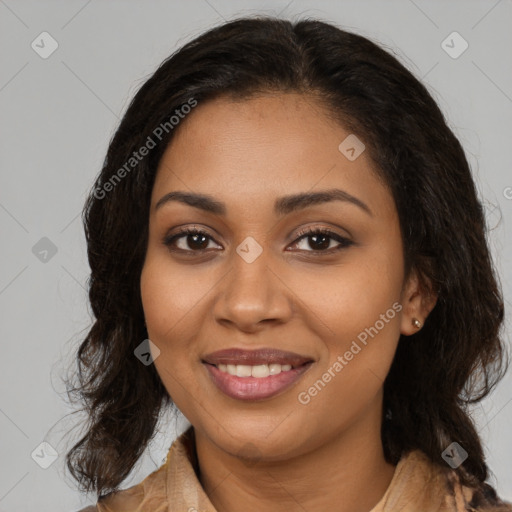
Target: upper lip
[255, 357]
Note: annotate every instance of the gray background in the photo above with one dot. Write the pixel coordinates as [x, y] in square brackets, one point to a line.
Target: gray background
[57, 116]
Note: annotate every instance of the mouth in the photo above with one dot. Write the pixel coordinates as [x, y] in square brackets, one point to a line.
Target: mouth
[262, 356]
[258, 371]
[257, 374]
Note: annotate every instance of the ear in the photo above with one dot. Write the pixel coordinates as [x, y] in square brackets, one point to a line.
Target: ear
[418, 300]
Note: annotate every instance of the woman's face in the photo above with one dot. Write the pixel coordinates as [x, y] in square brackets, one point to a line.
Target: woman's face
[250, 280]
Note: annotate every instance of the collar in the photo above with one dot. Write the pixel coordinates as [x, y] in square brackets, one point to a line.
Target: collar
[417, 484]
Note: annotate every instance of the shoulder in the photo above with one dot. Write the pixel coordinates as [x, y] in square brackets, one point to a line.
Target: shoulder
[481, 499]
[432, 486]
[153, 493]
[126, 500]
[150, 494]
[460, 497]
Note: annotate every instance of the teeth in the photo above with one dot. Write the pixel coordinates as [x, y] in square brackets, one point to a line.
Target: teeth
[259, 371]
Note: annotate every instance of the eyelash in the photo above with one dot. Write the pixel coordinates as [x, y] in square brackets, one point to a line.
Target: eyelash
[305, 233]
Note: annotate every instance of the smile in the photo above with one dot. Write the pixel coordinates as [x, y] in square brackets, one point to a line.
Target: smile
[258, 371]
[258, 382]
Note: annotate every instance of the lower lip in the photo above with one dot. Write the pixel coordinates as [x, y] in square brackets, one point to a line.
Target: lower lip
[253, 388]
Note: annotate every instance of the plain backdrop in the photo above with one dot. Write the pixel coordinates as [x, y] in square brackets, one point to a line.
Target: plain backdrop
[58, 114]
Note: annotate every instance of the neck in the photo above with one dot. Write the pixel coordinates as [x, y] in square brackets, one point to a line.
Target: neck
[347, 473]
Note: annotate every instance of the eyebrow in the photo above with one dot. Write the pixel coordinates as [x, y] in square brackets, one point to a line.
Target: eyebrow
[282, 206]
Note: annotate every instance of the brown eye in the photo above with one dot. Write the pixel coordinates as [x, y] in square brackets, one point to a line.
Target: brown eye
[195, 240]
[319, 240]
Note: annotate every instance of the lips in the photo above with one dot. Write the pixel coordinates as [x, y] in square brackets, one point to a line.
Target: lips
[255, 374]
[238, 356]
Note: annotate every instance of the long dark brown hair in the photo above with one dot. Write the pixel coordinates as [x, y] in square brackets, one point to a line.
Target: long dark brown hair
[454, 361]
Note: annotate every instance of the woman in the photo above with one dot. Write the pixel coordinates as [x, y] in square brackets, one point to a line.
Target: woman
[286, 244]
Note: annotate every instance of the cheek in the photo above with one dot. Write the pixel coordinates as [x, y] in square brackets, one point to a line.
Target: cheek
[359, 307]
[170, 297]
[172, 305]
[359, 355]
[344, 300]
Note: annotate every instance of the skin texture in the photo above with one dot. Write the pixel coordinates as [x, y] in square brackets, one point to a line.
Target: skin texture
[278, 454]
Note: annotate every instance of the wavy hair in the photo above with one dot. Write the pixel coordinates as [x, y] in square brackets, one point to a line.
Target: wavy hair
[453, 362]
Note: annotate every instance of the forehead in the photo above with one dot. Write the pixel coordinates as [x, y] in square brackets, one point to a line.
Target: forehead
[253, 150]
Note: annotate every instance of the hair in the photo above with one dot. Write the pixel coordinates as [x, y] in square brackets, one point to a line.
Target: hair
[453, 362]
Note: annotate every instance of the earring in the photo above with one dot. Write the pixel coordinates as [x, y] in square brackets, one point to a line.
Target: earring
[416, 323]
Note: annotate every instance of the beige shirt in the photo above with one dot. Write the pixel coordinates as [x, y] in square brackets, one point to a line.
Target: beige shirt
[417, 486]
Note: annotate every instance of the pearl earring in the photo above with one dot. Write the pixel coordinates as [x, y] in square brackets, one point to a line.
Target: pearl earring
[416, 323]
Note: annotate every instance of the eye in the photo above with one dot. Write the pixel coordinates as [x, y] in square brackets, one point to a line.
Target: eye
[196, 241]
[322, 239]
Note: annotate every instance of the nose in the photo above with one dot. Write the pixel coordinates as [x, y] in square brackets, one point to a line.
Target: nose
[253, 294]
